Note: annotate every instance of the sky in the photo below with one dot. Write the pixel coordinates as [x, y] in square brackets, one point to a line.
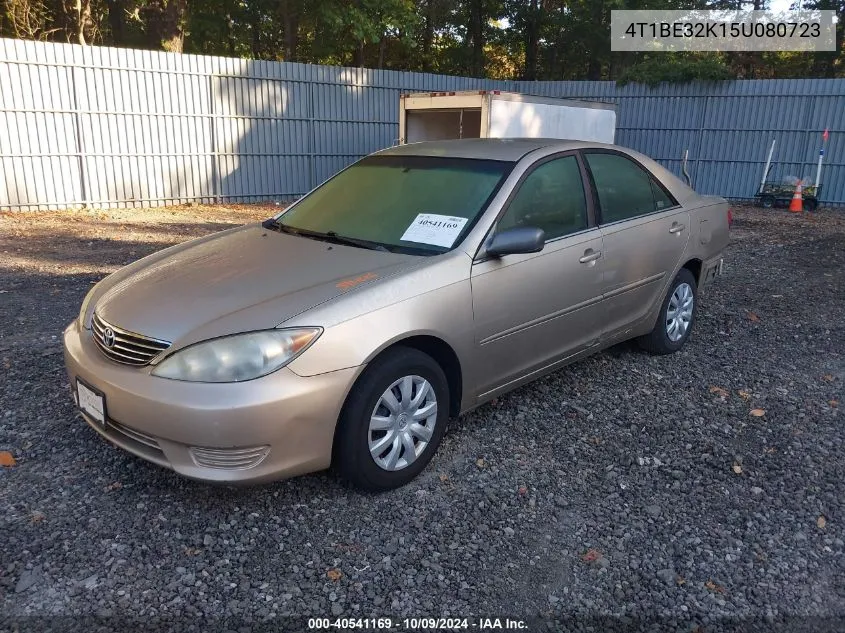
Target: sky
[780, 5]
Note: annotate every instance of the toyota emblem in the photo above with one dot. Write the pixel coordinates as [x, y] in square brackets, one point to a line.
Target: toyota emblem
[108, 337]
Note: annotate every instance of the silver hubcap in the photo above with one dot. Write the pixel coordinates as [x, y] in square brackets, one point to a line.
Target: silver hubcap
[402, 423]
[679, 312]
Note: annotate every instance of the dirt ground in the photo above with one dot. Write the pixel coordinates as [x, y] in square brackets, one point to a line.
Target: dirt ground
[79, 241]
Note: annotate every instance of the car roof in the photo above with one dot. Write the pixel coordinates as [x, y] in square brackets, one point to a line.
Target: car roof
[508, 149]
[514, 149]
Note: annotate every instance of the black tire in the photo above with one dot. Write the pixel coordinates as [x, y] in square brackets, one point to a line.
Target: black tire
[767, 202]
[351, 453]
[810, 205]
[657, 341]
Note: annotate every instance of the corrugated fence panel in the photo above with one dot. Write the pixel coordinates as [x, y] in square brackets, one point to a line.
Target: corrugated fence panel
[37, 128]
[107, 127]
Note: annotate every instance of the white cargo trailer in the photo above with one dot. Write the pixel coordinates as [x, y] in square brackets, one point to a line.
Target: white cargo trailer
[434, 116]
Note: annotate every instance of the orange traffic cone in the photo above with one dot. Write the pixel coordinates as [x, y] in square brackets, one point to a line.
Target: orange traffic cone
[797, 204]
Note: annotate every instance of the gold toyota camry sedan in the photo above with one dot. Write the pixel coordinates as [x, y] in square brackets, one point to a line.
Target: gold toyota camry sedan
[411, 287]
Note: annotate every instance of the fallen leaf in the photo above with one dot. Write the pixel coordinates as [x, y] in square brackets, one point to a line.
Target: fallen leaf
[719, 391]
[827, 378]
[595, 440]
[37, 517]
[821, 522]
[114, 486]
[480, 462]
[591, 555]
[758, 413]
[192, 551]
[737, 468]
[334, 574]
[681, 580]
[771, 450]
[522, 491]
[712, 586]
[744, 394]
[7, 459]
[444, 479]
[833, 403]
[753, 317]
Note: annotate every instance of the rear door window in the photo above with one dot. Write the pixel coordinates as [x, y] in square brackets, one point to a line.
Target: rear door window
[625, 190]
[662, 200]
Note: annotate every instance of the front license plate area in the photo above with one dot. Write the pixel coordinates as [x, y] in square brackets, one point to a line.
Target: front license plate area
[92, 402]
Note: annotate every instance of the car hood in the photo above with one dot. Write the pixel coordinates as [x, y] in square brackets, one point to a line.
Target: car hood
[245, 279]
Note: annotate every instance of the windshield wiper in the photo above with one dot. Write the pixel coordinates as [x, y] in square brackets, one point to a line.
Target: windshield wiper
[328, 236]
[351, 241]
[273, 223]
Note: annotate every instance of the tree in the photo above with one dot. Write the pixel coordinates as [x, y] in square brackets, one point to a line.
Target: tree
[165, 22]
[505, 39]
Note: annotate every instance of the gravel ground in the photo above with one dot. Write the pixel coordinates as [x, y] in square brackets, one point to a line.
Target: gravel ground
[625, 486]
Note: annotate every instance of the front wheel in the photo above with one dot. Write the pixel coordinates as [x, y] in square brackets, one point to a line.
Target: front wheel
[393, 421]
[677, 316]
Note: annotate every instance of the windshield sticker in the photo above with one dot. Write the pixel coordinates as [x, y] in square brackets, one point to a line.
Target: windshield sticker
[438, 230]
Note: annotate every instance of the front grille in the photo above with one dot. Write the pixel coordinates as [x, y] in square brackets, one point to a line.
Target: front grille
[229, 458]
[126, 347]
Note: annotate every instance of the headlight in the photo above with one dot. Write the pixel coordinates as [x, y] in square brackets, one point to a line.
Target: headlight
[238, 357]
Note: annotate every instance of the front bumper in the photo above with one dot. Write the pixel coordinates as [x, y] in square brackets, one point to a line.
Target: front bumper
[273, 427]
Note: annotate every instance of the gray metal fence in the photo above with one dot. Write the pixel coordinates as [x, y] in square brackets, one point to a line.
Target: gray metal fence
[108, 127]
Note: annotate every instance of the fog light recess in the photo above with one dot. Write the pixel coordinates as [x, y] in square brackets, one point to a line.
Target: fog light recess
[229, 458]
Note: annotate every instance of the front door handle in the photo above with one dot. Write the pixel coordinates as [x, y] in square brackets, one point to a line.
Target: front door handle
[676, 228]
[590, 256]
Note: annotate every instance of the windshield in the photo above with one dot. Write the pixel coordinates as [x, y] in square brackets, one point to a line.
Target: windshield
[413, 204]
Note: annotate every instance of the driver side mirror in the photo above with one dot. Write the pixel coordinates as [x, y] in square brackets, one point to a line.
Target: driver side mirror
[522, 239]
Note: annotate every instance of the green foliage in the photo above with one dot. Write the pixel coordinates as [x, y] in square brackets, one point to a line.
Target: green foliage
[504, 39]
[675, 68]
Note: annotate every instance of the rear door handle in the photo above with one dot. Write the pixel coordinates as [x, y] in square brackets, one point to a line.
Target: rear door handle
[676, 228]
[590, 256]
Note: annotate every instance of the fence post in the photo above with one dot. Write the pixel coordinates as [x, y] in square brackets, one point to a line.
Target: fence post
[80, 140]
[697, 173]
[810, 136]
[215, 168]
[311, 137]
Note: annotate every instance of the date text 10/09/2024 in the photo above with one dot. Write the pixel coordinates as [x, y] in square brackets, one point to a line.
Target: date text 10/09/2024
[416, 624]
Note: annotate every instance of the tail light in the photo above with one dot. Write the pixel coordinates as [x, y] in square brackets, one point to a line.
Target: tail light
[730, 217]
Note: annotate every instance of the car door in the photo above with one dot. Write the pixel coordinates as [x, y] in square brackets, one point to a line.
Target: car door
[644, 231]
[533, 309]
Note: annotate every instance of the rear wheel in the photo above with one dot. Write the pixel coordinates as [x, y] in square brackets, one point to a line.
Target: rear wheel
[810, 205]
[677, 316]
[393, 421]
[767, 202]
